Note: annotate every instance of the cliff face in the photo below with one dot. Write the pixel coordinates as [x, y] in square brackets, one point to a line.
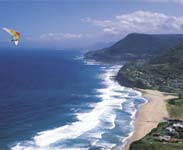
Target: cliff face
[136, 46]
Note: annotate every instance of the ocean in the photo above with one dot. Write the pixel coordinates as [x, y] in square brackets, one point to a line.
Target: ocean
[55, 100]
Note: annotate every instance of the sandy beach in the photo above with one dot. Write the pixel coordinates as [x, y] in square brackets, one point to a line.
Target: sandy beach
[150, 114]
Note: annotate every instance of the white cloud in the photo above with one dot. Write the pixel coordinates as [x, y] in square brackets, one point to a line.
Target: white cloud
[60, 36]
[140, 21]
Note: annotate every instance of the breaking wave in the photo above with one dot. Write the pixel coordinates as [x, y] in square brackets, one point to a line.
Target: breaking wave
[105, 126]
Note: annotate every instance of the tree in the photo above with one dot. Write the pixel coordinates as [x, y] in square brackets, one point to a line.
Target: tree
[180, 95]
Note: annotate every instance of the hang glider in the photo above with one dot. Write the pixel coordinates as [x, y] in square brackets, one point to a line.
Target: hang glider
[14, 34]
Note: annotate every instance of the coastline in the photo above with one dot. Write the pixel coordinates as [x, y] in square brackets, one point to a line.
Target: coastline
[149, 114]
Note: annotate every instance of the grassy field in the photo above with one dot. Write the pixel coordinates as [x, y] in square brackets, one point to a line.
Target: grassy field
[153, 145]
[175, 108]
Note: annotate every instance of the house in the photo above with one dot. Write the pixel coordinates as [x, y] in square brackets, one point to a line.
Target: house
[170, 129]
[165, 138]
[178, 125]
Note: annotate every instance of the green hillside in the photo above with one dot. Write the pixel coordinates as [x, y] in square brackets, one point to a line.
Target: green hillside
[135, 46]
[175, 108]
[164, 73]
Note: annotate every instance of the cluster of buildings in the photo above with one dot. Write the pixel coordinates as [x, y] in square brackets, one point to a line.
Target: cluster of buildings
[171, 132]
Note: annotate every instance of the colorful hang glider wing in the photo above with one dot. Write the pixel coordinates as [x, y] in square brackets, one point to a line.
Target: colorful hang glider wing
[15, 35]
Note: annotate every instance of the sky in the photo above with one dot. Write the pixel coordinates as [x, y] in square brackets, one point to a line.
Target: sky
[80, 24]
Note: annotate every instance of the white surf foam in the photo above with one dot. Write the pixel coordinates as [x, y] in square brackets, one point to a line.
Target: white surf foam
[79, 57]
[90, 125]
[91, 62]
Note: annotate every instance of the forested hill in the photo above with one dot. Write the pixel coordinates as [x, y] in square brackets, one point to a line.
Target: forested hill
[135, 46]
[163, 73]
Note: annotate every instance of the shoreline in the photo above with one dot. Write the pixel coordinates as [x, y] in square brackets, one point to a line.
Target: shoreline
[149, 114]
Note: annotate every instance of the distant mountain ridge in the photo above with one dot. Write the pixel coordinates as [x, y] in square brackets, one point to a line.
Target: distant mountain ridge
[135, 46]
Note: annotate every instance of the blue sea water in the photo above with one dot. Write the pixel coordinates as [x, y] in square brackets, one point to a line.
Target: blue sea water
[54, 100]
